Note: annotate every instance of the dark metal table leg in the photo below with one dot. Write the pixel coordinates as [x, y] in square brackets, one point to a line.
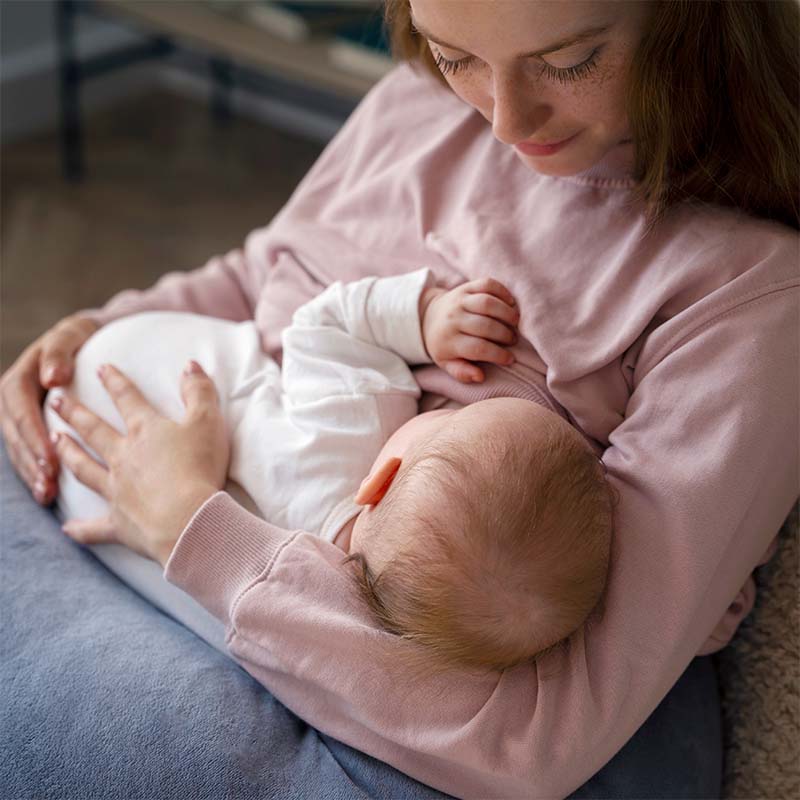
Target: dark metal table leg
[70, 78]
[221, 88]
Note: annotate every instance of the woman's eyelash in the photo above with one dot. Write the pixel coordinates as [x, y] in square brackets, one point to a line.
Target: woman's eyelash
[561, 74]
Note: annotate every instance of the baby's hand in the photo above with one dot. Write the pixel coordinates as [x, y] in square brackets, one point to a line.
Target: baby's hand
[469, 323]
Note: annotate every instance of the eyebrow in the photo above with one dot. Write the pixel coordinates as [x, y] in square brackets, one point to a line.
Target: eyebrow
[589, 33]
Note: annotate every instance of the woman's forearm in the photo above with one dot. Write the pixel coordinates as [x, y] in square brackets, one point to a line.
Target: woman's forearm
[226, 287]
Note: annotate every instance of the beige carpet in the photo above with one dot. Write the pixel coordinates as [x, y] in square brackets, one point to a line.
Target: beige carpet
[166, 189]
[760, 675]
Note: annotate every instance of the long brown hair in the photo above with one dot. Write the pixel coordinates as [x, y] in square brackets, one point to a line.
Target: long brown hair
[713, 102]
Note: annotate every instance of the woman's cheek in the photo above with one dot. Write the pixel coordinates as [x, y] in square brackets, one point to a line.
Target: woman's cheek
[473, 92]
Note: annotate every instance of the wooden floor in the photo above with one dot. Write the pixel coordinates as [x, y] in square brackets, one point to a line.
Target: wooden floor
[166, 188]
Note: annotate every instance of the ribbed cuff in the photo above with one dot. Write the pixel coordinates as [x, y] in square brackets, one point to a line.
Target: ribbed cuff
[521, 381]
[222, 550]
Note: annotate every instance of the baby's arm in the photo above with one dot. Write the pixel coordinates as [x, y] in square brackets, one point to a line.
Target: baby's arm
[470, 323]
[403, 316]
[349, 386]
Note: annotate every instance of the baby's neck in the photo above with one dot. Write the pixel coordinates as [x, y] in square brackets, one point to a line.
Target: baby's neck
[342, 539]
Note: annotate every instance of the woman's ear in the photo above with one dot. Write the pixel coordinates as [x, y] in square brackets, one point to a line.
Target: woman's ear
[377, 483]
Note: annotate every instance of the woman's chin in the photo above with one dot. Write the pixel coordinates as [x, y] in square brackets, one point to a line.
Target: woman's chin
[553, 165]
[617, 158]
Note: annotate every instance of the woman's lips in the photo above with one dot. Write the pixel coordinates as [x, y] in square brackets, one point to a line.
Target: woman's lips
[530, 149]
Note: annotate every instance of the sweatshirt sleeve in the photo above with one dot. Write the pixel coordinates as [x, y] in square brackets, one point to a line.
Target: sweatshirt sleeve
[226, 287]
[706, 465]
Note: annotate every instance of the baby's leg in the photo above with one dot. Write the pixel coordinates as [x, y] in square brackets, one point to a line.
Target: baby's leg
[152, 349]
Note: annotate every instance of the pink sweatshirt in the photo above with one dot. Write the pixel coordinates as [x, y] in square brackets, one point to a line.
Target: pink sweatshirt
[676, 355]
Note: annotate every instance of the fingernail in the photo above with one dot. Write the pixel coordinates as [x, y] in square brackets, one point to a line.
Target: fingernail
[54, 436]
[65, 528]
[57, 402]
[193, 368]
[50, 373]
[101, 371]
[46, 467]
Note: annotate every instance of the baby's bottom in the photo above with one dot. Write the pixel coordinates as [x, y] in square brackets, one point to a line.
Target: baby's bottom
[152, 349]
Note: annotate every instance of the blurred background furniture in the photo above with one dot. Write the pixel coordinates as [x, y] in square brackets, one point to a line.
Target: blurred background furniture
[335, 51]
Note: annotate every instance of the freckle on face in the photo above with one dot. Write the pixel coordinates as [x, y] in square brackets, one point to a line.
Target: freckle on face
[542, 109]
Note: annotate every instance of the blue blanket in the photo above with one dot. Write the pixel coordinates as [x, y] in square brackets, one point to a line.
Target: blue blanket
[106, 697]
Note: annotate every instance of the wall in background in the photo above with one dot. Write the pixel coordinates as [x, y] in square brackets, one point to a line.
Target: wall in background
[24, 25]
[29, 102]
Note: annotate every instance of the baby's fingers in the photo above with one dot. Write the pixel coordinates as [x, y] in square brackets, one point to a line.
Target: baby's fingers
[490, 286]
[463, 371]
[475, 349]
[487, 328]
[490, 306]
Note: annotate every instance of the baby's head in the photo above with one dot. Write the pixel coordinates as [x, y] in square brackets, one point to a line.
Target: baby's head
[487, 533]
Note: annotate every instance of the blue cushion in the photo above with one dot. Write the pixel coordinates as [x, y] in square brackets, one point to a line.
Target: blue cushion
[107, 697]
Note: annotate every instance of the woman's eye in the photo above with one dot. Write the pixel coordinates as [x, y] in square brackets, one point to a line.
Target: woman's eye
[446, 66]
[561, 74]
[575, 73]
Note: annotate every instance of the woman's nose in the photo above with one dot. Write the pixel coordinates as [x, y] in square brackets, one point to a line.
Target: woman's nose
[517, 112]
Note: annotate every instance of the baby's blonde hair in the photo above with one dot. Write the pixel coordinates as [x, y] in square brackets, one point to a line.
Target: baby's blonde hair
[518, 566]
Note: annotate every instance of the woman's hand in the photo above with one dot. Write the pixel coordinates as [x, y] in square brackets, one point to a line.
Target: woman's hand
[46, 363]
[475, 321]
[156, 475]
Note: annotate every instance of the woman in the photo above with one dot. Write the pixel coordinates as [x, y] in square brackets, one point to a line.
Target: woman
[636, 190]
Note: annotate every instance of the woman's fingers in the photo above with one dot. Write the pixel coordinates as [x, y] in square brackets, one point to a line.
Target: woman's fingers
[47, 362]
[198, 391]
[81, 464]
[487, 328]
[28, 446]
[130, 402]
[90, 531]
[96, 432]
[58, 349]
[490, 306]
[22, 458]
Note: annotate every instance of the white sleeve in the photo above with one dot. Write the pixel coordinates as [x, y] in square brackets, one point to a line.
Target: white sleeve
[346, 387]
[357, 338]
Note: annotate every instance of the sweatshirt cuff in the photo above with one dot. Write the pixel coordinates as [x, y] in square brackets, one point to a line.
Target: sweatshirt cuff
[393, 313]
[221, 552]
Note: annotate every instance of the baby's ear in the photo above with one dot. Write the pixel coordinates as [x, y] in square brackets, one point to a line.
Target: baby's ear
[377, 483]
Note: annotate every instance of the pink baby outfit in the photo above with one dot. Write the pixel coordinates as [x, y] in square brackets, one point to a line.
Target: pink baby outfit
[676, 354]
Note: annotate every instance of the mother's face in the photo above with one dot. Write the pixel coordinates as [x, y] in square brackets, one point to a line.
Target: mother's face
[521, 64]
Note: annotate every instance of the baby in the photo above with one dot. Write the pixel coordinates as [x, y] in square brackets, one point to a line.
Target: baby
[482, 533]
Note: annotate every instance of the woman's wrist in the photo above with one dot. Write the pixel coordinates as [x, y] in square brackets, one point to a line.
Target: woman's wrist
[184, 506]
